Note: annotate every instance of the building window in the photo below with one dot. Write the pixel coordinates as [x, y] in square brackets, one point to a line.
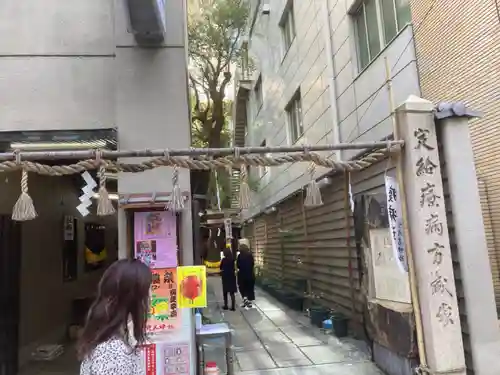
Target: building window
[259, 99]
[294, 117]
[287, 25]
[264, 170]
[377, 23]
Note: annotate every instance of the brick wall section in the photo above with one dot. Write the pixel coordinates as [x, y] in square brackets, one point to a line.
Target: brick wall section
[458, 52]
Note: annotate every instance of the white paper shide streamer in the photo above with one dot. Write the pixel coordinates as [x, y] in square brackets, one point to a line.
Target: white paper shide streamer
[351, 196]
[394, 214]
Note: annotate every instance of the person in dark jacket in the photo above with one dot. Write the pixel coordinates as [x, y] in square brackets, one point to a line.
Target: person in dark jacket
[228, 275]
[246, 277]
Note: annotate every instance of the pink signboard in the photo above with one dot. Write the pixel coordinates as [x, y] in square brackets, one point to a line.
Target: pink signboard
[155, 238]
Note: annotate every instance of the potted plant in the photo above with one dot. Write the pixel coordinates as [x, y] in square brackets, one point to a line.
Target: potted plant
[293, 301]
[317, 314]
[340, 324]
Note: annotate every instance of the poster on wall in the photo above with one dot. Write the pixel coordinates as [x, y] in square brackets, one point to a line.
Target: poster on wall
[155, 238]
[163, 315]
[175, 359]
[96, 253]
[192, 287]
[165, 359]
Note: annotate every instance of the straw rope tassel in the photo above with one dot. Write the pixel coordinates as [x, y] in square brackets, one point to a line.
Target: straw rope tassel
[104, 205]
[313, 192]
[177, 201]
[244, 188]
[24, 208]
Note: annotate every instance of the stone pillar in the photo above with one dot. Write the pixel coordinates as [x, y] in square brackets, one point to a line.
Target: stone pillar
[475, 270]
[429, 239]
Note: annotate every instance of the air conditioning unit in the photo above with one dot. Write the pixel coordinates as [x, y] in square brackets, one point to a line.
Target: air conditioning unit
[147, 20]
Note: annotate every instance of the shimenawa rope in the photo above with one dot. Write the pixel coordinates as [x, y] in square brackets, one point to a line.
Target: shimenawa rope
[25, 210]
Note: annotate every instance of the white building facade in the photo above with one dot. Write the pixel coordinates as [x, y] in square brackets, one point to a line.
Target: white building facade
[320, 78]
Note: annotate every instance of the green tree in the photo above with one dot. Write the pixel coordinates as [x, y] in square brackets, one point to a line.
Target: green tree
[215, 30]
[219, 184]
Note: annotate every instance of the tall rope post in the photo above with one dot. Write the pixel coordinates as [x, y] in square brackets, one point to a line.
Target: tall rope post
[244, 193]
[347, 213]
[104, 204]
[24, 209]
[281, 237]
[406, 232]
[308, 255]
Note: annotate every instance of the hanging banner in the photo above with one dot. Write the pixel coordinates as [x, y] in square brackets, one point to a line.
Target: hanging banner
[149, 359]
[155, 237]
[192, 286]
[163, 315]
[394, 214]
[228, 228]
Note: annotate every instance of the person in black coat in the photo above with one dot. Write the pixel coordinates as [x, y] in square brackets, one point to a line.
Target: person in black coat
[246, 277]
[228, 276]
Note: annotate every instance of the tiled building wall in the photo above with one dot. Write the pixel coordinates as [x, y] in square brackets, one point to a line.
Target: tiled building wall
[467, 69]
[362, 104]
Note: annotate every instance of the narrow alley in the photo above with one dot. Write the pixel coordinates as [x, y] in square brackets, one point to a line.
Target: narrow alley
[270, 339]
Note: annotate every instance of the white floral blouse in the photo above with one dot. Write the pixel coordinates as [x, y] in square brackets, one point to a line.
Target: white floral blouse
[113, 357]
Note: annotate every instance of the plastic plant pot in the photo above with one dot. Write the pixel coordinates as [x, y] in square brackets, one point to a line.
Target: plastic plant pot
[293, 301]
[317, 315]
[278, 294]
[301, 285]
[340, 325]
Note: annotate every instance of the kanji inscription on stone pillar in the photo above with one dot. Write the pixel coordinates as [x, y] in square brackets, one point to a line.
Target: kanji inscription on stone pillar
[429, 237]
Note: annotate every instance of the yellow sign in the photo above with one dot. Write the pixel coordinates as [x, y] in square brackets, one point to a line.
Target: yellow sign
[192, 287]
[212, 264]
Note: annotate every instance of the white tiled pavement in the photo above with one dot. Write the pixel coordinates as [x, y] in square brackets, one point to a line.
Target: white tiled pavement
[272, 340]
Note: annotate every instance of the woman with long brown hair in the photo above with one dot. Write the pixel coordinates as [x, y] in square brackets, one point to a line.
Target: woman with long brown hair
[105, 346]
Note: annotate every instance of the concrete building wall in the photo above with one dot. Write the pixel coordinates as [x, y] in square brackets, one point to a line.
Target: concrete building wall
[466, 69]
[75, 65]
[45, 298]
[56, 64]
[361, 107]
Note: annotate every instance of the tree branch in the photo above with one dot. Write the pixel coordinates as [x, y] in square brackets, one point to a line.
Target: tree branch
[232, 49]
[225, 82]
[196, 95]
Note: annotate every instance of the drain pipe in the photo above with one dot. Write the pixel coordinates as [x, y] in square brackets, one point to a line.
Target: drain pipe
[332, 88]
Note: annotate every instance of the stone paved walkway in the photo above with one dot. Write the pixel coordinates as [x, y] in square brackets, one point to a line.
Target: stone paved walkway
[272, 340]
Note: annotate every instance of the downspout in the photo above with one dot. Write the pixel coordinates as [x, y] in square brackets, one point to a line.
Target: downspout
[327, 34]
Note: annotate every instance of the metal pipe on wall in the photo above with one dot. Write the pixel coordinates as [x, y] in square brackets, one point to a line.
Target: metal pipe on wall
[331, 74]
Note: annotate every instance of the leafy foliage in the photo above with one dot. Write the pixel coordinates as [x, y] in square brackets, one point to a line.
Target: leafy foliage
[215, 30]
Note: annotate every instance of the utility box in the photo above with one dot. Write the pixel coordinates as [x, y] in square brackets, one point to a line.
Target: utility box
[147, 21]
